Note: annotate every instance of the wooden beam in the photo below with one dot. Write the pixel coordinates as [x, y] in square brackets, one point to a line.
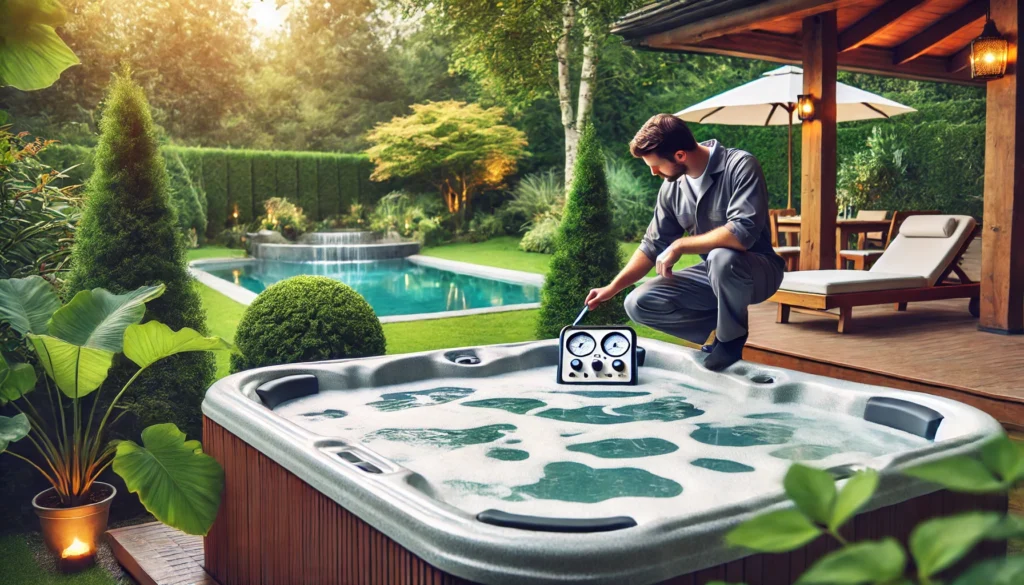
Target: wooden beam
[1002, 250]
[960, 60]
[785, 49]
[919, 44]
[739, 20]
[880, 18]
[818, 153]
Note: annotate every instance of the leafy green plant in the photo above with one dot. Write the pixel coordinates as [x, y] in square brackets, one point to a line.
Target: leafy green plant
[633, 198]
[39, 218]
[935, 545]
[535, 198]
[186, 199]
[285, 217]
[485, 226]
[875, 173]
[32, 56]
[541, 237]
[396, 213]
[75, 345]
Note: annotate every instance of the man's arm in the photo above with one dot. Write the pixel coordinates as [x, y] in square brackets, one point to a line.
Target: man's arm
[721, 237]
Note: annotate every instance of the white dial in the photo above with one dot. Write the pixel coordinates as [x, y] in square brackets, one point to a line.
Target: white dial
[581, 344]
[615, 344]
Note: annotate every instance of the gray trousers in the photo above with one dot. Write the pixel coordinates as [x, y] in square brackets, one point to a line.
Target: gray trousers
[711, 296]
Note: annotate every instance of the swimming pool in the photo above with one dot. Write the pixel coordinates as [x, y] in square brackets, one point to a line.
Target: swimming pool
[392, 287]
[474, 465]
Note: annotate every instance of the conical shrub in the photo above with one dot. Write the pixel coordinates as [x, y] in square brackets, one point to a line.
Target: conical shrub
[128, 238]
[586, 252]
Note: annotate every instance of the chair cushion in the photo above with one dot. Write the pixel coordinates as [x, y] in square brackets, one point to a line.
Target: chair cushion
[928, 226]
[828, 282]
[861, 252]
[787, 249]
[927, 256]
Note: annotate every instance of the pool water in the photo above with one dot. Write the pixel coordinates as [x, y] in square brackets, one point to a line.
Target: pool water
[392, 287]
[522, 443]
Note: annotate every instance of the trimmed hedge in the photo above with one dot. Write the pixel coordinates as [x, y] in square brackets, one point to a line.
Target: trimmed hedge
[264, 180]
[309, 191]
[328, 196]
[240, 186]
[322, 183]
[307, 319]
[215, 182]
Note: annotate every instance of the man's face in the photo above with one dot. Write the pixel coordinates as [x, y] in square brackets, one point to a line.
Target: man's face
[667, 169]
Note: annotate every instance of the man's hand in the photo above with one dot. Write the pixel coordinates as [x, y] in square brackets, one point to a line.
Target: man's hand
[599, 295]
[666, 260]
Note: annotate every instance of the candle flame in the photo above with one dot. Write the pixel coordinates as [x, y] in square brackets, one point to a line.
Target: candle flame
[76, 549]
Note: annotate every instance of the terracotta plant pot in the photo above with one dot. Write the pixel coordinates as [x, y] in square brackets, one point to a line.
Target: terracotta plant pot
[62, 526]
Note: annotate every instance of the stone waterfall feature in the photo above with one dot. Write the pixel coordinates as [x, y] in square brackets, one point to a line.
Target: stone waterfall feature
[347, 246]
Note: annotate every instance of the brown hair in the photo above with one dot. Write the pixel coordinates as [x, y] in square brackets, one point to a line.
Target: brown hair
[663, 135]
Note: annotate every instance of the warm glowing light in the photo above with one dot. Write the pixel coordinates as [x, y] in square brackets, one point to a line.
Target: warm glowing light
[805, 107]
[76, 549]
[989, 53]
[235, 213]
[990, 57]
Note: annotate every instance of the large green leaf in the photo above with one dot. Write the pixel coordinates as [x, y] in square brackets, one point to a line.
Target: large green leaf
[27, 304]
[16, 379]
[153, 341]
[175, 480]
[938, 543]
[812, 490]
[98, 318]
[1005, 458]
[76, 370]
[33, 57]
[1010, 526]
[863, 562]
[1004, 571]
[780, 531]
[960, 474]
[12, 428]
[857, 491]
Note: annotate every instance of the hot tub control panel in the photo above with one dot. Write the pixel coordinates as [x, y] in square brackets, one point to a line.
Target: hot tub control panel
[597, 355]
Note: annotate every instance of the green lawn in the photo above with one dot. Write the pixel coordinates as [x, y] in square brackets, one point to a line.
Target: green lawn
[215, 252]
[504, 252]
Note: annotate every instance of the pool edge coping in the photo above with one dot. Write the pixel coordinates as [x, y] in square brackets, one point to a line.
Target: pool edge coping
[245, 297]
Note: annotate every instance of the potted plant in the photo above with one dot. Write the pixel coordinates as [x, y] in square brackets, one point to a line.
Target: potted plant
[75, 345]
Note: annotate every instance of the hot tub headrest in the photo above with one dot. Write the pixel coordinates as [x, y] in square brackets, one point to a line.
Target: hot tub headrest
[928, 226]
[287, 388]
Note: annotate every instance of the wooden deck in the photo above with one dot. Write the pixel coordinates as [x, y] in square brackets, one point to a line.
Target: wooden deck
[932, 347]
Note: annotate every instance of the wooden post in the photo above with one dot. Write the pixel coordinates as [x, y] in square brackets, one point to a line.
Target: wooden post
[818, 155]
[1002, 250]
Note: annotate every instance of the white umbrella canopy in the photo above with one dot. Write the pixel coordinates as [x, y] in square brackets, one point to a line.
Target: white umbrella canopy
[771, 101]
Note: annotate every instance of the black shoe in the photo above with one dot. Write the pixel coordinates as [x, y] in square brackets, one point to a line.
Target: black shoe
[725, 354]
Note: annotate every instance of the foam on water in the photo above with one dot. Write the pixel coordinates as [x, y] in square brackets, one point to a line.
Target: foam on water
[588, 451]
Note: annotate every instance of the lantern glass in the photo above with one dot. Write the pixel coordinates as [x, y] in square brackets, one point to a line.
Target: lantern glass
[989, 54]
[805, 107]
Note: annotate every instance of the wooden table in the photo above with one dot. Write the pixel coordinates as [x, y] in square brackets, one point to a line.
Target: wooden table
[844, 229]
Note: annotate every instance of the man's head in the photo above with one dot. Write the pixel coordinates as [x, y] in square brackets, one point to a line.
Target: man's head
[664, 143]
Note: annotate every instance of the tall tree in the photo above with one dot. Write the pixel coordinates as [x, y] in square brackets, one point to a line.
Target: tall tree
[523, 49]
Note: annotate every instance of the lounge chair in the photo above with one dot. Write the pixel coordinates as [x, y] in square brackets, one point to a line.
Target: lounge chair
[864, 258]
[791, 254]
[913, 268]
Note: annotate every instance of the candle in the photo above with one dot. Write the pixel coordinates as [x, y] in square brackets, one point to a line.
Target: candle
[76, 556]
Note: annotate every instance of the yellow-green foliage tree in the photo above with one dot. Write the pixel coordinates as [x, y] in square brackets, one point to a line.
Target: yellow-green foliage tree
[461, 148]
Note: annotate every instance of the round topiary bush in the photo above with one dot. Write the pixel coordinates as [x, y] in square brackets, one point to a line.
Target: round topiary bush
[306, 319]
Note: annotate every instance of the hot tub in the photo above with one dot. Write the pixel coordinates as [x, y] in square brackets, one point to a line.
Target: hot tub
[473, 465]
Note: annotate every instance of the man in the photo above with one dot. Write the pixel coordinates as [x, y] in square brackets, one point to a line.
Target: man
[717, 197]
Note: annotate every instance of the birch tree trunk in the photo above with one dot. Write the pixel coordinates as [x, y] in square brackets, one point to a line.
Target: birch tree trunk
[565, 90]
[588, 74]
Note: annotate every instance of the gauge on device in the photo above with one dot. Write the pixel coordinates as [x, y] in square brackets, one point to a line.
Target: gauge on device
[582, 344]
[615, 344]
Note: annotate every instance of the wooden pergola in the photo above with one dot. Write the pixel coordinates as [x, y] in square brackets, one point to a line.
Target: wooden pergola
[915, 39]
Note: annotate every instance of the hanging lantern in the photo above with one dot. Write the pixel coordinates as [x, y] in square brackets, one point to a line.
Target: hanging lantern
[989, 53]
[805, 107]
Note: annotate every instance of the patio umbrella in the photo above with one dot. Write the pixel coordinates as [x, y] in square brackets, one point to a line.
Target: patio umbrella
[771, 101]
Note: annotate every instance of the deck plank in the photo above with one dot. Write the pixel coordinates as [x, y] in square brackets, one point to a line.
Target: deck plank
[156, 554]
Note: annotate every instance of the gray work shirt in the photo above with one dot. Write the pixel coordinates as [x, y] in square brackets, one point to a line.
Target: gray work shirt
[736, 198]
